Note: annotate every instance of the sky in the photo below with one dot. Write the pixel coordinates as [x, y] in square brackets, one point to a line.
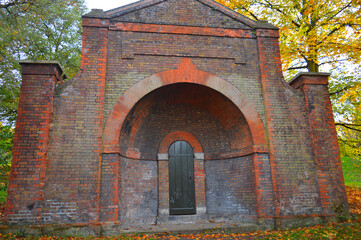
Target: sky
[107, 4]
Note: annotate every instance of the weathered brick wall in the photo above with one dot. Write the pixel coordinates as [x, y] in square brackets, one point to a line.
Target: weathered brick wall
[181, 12]
[330, 182]
[231, 187]
[207, 52]
[293, 166]
[109, 188]
[138, 191]
[31, 140]
[220, 45]
[222, 131]
[73, 173]
[261, 156]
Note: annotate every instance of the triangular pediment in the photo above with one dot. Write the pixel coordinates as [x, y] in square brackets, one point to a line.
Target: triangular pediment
[204, 13]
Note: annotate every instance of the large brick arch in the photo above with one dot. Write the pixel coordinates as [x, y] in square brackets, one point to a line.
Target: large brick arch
[185, 73]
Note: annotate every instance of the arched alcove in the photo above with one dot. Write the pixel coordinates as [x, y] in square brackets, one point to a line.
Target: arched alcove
[213, 119]
[185, 73]
[210, 114]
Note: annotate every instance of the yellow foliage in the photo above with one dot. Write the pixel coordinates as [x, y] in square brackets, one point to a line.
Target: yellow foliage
[315, 34]
[313, 31]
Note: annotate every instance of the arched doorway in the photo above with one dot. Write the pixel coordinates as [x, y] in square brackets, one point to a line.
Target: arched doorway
[182, 199]
[163, 173]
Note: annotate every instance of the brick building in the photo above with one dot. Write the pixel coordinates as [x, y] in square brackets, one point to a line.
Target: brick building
[180, 111]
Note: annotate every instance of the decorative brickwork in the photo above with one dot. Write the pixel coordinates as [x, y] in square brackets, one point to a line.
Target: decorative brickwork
[93, 151]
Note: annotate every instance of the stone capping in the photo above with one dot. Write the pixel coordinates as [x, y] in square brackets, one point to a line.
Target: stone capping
[199, 156]
[265, 25]
[309, 78]
[128, 8]
[200, 211]
[96, 13]
[165, 156]
[60, 70]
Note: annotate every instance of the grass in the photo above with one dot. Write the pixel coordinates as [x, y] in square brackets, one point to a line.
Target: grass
[352, 171]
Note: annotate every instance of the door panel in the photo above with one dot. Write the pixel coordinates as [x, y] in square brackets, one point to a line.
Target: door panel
[181, 179]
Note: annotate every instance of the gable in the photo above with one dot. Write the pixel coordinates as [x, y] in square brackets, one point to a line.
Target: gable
[204, 13]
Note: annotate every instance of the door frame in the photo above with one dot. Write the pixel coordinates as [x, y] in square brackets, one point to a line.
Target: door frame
[163, 172]
[181, 179]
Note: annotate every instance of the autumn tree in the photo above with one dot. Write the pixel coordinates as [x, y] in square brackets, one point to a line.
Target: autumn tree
[33, 30]
[320, 35]
[11, 3]
[36, 30]
[6, 143]
[346, 96]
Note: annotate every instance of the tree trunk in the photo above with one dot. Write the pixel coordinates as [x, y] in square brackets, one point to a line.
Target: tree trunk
[312, 66]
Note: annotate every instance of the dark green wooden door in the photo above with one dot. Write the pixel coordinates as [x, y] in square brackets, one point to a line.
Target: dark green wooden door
[181, 179]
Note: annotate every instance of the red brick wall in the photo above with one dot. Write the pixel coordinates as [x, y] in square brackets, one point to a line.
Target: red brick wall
[110, 186]
[324, 141]
[291, 157]
[73, 174]
[30, 151]
[142, 80]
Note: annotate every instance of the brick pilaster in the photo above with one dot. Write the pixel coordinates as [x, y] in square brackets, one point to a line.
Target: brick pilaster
[109, 198]
[324, 139]
[270, 74]
[30, 151]
[94, 67]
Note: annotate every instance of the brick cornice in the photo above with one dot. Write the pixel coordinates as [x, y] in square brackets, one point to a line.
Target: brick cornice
[309, 78]
[267, 33]
[95, 22]
[184, 30]
[49, 68]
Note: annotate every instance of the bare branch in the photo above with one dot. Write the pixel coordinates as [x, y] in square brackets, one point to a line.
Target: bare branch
[332, 32]
[248, 11]
[340, 91]
[30, 4]
[270, 5]
[348, 142]
[338, 60]
[295, 68]
[349, 126]
[342, 9]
